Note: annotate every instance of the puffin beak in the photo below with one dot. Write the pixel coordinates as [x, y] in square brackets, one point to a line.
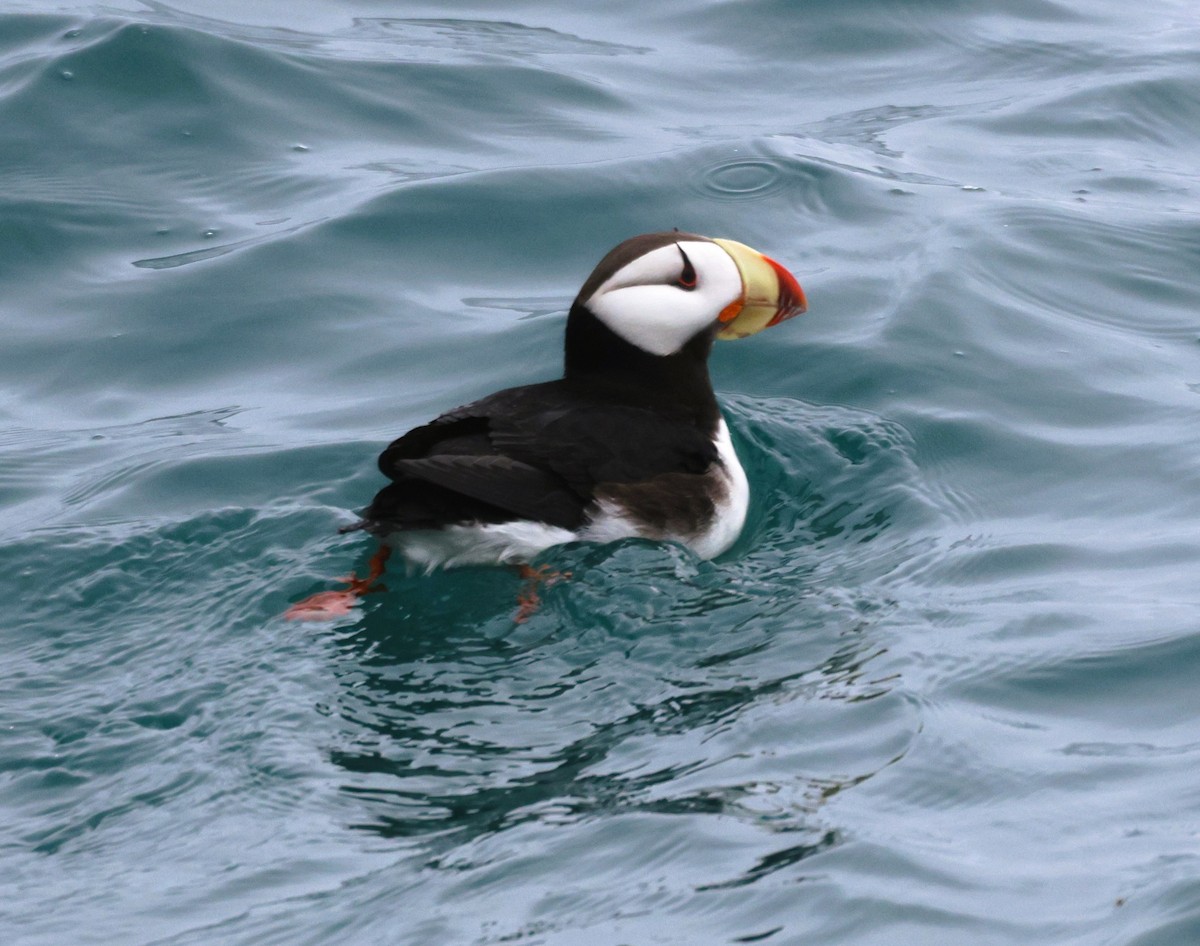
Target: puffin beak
[770, 294]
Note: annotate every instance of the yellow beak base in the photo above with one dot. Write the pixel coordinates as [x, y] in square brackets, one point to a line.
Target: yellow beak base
[770, 294]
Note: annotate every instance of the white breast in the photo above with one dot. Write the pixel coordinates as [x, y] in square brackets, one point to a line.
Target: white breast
[731, 513]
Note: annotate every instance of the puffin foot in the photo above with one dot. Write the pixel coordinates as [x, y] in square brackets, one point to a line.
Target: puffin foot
[334, 604]
[528, 600]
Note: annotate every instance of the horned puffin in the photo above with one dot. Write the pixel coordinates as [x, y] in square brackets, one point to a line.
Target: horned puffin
[629, 441]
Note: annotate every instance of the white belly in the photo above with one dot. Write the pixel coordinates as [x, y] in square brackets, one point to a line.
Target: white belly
[478, 544]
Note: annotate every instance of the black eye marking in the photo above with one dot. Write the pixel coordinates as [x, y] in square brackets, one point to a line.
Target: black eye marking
[687, 279]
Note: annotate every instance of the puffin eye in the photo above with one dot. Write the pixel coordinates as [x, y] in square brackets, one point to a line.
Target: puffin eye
[687, 278]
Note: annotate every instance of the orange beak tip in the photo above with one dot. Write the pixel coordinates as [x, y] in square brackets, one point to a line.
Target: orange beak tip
[792, 301]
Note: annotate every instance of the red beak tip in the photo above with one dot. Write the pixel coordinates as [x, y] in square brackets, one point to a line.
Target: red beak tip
[790, 292]
[792, 301]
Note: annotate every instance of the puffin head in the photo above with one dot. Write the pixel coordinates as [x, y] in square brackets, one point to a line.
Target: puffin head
[659, 291]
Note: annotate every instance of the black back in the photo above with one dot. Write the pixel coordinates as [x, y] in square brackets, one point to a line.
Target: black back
[620, 415]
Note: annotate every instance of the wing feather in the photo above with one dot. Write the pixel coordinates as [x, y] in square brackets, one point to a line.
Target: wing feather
[502, 482]
[539, 452]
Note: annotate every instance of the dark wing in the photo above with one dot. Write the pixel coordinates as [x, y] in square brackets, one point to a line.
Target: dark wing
[591, 446]
[506, 484]
[450, 471]
[536, 452]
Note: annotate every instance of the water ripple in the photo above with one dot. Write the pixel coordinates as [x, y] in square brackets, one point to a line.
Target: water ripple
[743, 179]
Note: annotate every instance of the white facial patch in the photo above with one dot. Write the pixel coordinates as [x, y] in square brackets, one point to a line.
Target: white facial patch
[644, 303]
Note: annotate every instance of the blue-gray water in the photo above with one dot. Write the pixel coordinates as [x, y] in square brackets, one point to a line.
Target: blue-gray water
[943, 690]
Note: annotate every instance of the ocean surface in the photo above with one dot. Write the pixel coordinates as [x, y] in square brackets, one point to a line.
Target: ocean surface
[943, 690]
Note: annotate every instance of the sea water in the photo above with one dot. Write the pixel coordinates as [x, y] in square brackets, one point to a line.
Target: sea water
[942, 690]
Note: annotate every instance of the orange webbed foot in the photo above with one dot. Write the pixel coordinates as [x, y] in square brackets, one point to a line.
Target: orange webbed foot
[335, 604]
[528, 600]
[322, 606]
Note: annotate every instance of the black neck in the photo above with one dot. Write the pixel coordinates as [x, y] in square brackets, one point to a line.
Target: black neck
[599, 359]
